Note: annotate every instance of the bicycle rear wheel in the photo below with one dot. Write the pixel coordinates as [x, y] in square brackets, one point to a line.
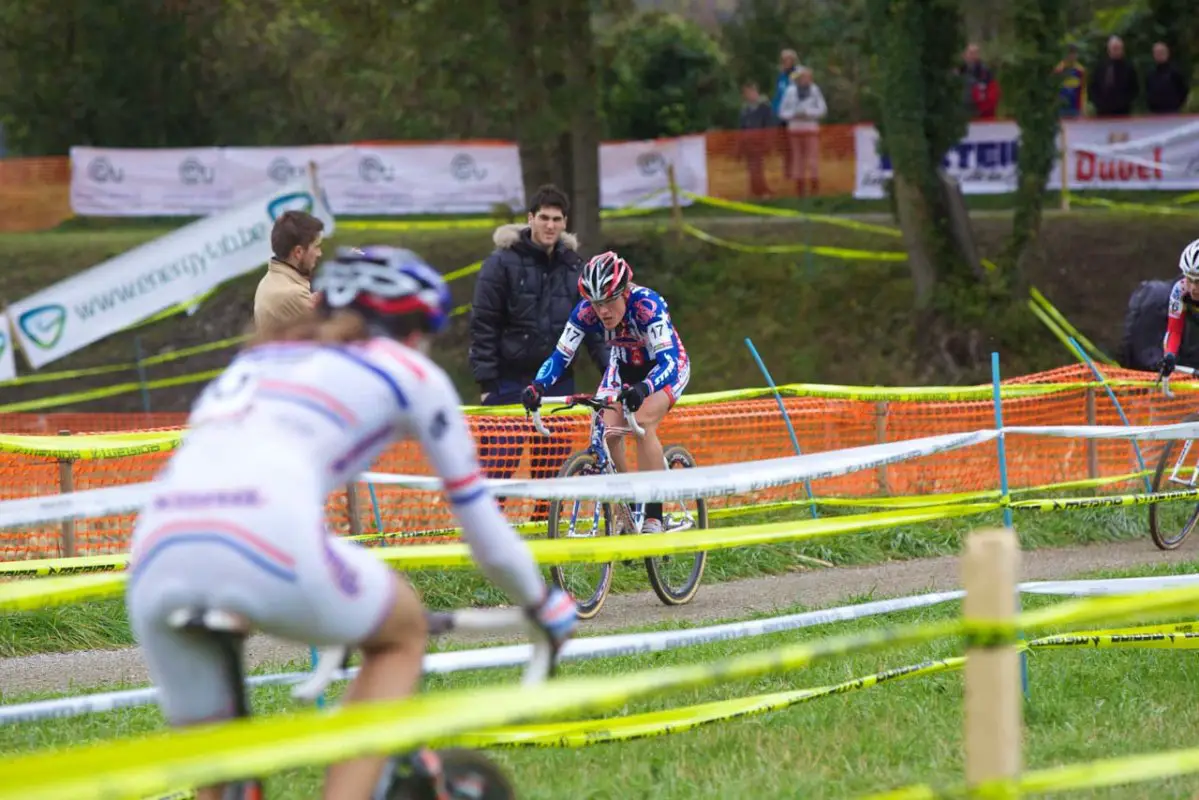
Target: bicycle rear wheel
[675, 578]
[1171, 523]
[588, 584]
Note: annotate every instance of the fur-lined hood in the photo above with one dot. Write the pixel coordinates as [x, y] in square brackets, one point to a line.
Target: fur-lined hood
[506, 236]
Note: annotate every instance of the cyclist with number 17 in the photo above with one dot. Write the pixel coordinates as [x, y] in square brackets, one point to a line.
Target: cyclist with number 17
[648, 368]
[1184, 302]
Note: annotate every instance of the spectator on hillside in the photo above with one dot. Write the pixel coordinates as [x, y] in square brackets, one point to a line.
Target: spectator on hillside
[788, 63]
[1166, 87]
[758, 126]
[980, 90]
[1072, 84]
[803, 107]
[525, 292]
[1113, 87]
[284, 294]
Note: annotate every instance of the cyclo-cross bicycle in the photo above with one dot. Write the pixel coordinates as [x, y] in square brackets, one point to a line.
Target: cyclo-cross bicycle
[675, 579]
[465, 774]
[1171, 523]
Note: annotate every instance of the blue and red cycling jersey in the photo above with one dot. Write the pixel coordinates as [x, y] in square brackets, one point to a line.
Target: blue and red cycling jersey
[644, 346]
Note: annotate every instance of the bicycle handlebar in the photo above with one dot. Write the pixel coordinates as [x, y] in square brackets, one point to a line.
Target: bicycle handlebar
[1165, 379]
[594, 403]
[485, 620]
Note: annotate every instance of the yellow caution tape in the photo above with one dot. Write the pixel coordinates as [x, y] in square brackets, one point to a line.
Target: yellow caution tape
[828, 252]
[547, 551]
[680, 720]
[750, 208]
[1105, 501]
[1069, 329]
[50, 592]
[264, 745]
[106, 391]
[1187, 199]
[1141, 207]
[92, 445]
[469, 269]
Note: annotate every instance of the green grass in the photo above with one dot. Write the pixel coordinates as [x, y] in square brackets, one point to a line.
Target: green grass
[104, 625]
[1086, 705]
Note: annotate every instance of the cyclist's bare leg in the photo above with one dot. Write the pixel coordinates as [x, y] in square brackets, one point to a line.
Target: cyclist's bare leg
[615, 419]
[391, 668]
[649, 449]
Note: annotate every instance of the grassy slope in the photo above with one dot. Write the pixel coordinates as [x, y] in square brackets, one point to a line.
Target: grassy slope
[1084, 704]
[799, 310]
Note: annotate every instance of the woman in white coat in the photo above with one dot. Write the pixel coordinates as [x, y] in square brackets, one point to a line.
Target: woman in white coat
[802, 107]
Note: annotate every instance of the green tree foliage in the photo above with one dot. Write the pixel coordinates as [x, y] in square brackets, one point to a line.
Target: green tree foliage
[88, 76]
[663, 76]
[1032, 96]
[830, 38]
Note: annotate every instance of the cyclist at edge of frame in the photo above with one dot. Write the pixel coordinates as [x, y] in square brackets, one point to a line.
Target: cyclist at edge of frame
[648, 368]
[1184, 300]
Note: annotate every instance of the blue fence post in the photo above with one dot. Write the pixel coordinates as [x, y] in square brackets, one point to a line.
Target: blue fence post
[778, 398]
[312, 658]
[1005, 494]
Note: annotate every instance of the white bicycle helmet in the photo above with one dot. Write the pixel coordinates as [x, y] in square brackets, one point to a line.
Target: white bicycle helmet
[384, 283]
[1188, 262]
[604, 277]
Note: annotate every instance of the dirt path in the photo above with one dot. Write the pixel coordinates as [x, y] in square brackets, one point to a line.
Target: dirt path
[720, 601]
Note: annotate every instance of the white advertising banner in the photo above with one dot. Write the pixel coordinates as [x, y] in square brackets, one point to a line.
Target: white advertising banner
[1138, 153]
[984, 162]
[168, 270]
[8, 360]
[630, 171]
[1135, 153]
[254, 171]
[150, 182]
[424, 179]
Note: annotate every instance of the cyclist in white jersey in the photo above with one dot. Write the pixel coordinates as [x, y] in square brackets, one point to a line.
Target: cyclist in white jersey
[237, 520]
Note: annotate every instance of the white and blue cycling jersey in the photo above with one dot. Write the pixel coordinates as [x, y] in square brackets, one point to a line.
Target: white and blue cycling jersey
[644, 346]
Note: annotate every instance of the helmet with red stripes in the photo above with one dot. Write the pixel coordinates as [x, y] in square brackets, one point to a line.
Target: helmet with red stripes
[384, 284]
[605, 276]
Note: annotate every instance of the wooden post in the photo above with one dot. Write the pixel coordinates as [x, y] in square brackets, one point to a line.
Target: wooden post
[352, 509]
[676, 208]
[880, 437]
[1092, 445]
[1065, 161]
[994, 709]
[66, 484]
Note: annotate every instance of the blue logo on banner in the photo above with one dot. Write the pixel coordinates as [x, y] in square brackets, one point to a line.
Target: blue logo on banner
[296, 201]
[44, 325]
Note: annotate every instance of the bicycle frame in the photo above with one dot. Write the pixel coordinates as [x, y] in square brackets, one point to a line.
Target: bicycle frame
[1185, 450]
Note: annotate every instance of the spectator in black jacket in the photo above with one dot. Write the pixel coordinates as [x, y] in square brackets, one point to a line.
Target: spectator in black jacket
[1166, 88]
[1114, 83]
[525, 292]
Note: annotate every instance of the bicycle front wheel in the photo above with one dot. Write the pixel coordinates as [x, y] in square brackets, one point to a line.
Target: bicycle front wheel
[588, 584]
[1178, 468]
[675, 578]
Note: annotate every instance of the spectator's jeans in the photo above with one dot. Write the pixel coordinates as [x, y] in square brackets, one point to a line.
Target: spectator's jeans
[502, 439]
[805, 158]
[783, 142]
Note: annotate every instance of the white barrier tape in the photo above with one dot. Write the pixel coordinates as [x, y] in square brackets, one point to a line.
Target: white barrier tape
[1177, 430]
[609, 646]
[723, 479]
[628, 644]
[665, 486]
[1109, 586]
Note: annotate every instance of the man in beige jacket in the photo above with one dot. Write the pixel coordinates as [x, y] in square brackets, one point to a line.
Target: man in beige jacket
[284, 294]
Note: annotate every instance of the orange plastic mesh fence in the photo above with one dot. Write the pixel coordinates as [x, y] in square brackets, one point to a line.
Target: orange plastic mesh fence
[716, 433]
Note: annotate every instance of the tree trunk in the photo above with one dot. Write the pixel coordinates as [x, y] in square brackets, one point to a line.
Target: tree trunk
[584, 134]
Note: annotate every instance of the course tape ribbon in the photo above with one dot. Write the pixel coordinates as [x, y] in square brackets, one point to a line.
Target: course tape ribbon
[161, 762]
[706, 481]
[259, 746]
[846, 253]
[579, 648]
[25, 595]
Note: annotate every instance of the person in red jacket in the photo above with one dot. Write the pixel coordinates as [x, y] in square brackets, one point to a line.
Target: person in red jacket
[979, 88]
